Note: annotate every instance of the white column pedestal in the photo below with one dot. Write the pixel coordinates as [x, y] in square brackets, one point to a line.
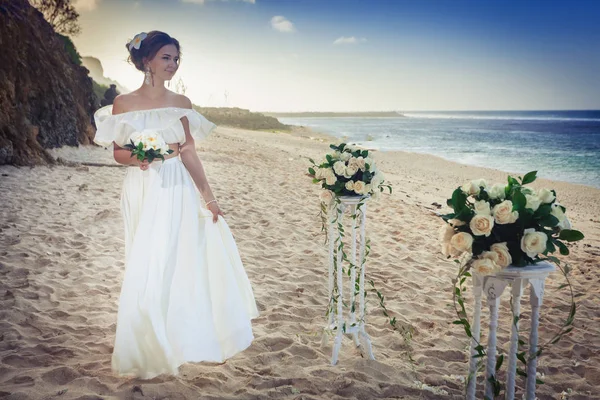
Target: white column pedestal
[351, 319]
[493, 286]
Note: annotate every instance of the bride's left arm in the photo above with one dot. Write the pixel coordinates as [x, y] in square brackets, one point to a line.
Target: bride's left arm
[190, 159]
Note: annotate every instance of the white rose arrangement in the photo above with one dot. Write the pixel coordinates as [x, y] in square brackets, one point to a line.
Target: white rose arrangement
[348, 171]
[493, 227]
[148, 146]
[513, 221]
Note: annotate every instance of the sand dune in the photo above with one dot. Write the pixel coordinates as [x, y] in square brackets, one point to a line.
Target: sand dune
[61, 266]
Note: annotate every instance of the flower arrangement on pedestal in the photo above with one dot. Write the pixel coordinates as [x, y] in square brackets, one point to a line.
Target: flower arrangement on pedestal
[493, 227]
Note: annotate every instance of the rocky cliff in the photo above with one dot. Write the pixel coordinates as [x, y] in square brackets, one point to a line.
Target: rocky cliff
[46, 98]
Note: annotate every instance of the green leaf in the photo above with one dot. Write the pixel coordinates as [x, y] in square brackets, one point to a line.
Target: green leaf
[570, 235]
[545, 209]
[521, 372]
[499, 361]
[539, 381]
[519, 201]
[521, 357]
[311, 171]
[550, 247]
[312, 161]
[529, 177]
[564, 250]
[549, 221]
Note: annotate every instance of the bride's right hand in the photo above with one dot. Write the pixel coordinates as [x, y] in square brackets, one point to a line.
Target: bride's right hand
[144, 165]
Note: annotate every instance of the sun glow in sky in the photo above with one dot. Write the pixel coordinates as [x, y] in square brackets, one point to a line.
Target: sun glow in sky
[343, 55]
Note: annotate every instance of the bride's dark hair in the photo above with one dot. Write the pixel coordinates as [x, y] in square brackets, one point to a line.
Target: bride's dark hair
[149, 47]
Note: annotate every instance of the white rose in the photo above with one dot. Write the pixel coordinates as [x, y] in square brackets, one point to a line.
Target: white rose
[371, 163]
[330, 179]
[359, 187]
[368, 188]
[485, 266]
[482, 225]
[503, 213]
[345, 156]
[482, 207]
[491, 255]
[497, 192]
[533, 202]
[350, 171]
[456, 222]
[376, 195]
[326, 196]
[350, 185]
[462, 242]
[470, 189]
[445, 233]
[339, 167]
[504, 257]
[361, 163]
[563, 221]
[320, 173]
[546, 196]
[533, 243]
[448, 250]
[480, 183]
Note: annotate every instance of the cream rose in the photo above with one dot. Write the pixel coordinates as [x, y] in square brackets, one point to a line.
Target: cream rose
[339, 167]
[533, 202]
[563, 221]
[330, 178]
[482, 225]
[350, 171]
[503, 213]
[326, 196]
[456, 222]
[504, 257]
[359, 187]
[462, 241]
[446, 232]
[470, 188]
[350, 185]
[482, 207]
[546, 196]
[485, 266]
[361, 163]
[497, 192]
[345, 156]
[376, 195]
[533, 243]
[491, 255]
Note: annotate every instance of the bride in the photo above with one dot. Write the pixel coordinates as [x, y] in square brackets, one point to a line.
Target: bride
[185, 295]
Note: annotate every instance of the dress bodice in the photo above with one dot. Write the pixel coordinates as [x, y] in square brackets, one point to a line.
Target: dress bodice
[165, 121]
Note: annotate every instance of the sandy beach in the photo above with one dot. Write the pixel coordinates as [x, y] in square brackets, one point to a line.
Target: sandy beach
[61, 268]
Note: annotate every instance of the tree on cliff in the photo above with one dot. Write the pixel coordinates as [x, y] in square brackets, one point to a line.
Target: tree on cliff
[61, 14]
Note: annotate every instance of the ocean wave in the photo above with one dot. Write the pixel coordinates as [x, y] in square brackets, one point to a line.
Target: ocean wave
[492, 117]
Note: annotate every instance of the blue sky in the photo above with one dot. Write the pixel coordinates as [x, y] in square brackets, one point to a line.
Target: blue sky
[302, 55]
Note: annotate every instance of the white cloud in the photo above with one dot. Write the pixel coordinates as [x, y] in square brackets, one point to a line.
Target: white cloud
[282, 24]
[204, 1]
[349, 40]
[85, 5]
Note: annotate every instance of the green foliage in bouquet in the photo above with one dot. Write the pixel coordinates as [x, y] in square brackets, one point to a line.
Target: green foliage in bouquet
[149, 154]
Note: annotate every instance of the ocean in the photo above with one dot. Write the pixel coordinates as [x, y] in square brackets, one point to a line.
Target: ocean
[560, 145]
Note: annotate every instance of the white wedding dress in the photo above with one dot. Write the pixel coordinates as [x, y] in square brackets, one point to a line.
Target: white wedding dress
[185, 294]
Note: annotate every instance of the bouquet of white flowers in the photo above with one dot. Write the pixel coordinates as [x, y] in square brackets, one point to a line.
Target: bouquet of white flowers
[504, 225]
[148, 146]
[348, 171]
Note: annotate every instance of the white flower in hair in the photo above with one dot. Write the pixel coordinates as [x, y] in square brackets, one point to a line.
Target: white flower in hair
[137, 41]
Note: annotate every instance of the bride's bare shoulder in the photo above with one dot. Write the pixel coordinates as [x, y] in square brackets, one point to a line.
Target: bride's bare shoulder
[180, 100]
[122, 103]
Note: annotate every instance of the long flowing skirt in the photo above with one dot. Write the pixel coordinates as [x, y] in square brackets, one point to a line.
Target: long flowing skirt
[185, 295]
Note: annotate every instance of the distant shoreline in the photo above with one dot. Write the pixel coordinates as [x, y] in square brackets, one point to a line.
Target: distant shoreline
[386, 114]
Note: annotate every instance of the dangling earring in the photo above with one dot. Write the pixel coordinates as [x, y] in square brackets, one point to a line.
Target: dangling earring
[147, 80]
